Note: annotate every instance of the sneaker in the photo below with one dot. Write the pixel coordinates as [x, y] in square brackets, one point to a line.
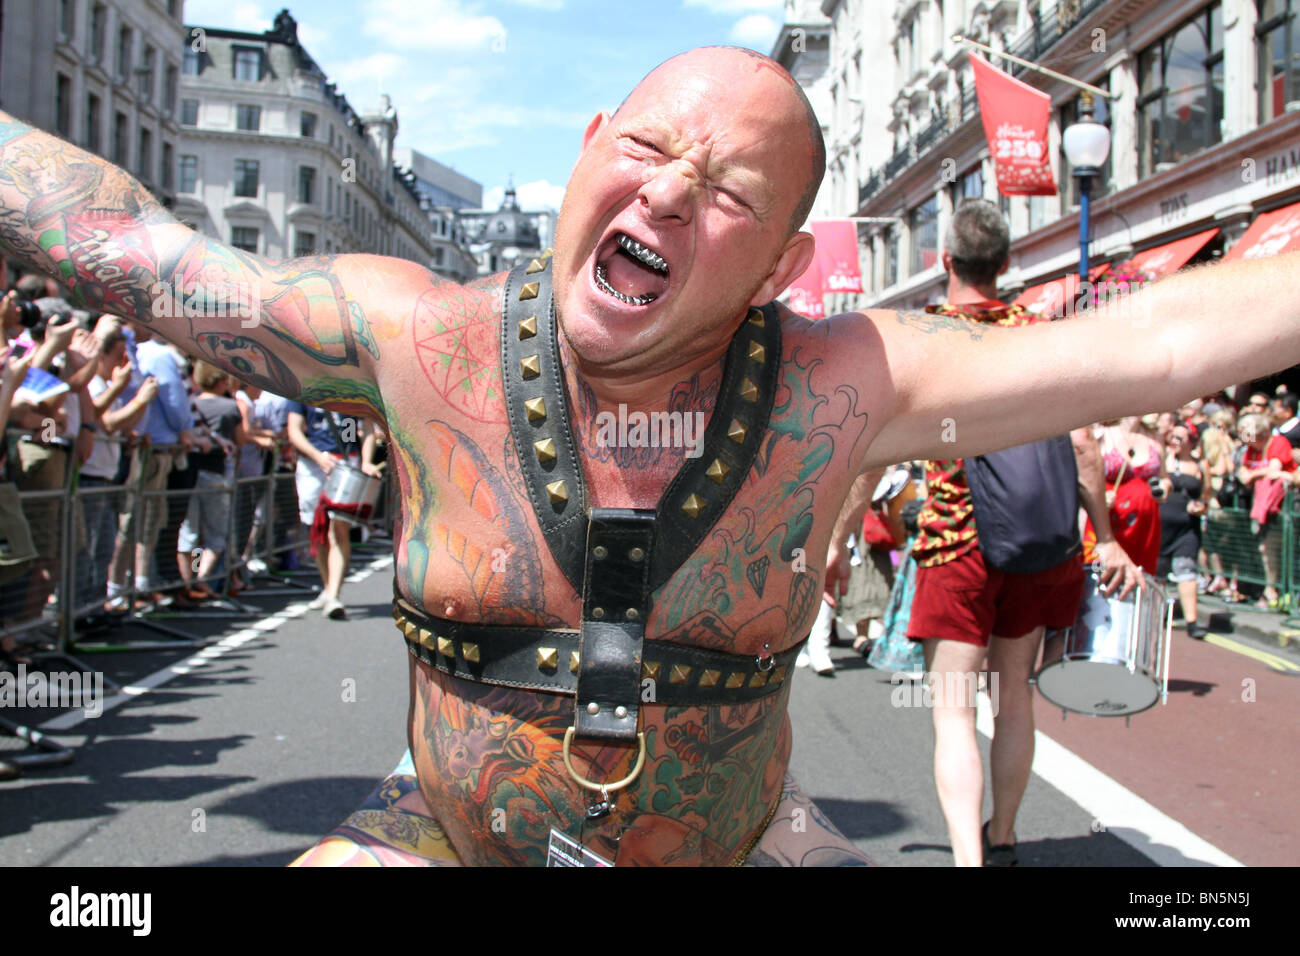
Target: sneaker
[256, 566]
[318, 602]
[335, 611]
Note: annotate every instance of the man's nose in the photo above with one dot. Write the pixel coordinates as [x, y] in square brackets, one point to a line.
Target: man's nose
[671, 190]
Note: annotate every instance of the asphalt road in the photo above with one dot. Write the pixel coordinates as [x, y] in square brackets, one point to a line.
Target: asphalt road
[287, 720]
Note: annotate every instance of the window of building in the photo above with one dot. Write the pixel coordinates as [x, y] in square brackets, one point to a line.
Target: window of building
[169, 90]
[246, 177]
[98, 26]
[63, 105]
[1278, 51]
[146, 73]
[189, 170]
[248, 64]
[189, 112]
[307, 184]
[969, 185]
[923, 224]
[891, 256]
[119, 138]
[1180, 92]
[68, 18]
[248, 118]
[192, 65]
[307, 125]
[168, 165]
[145, 159]
[94, 141]
[123, 64]
[304, 244]
[244, 237]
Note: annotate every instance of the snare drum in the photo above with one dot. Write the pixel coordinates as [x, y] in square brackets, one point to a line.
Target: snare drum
[896, 488]
[1114, 662]
[350, 494]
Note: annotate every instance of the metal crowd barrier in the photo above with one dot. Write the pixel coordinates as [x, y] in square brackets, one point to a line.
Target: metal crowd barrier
[1236, 549]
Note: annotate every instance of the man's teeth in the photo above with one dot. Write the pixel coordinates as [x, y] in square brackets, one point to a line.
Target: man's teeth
[635, 248]
[630, 300]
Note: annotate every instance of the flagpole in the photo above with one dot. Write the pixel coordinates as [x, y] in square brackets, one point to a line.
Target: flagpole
[1097, 91]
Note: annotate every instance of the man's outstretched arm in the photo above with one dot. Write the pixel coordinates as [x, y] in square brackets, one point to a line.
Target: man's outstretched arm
[948, 388]
[295, 327]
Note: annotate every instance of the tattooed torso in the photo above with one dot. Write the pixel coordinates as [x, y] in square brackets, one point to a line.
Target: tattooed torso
[386, 339]
[469, 549]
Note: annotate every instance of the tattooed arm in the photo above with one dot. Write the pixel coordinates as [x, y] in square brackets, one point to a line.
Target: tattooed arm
[948, 388]
[296, 327]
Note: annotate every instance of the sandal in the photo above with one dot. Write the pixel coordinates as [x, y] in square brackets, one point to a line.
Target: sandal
[863, 645]
[1004, 854]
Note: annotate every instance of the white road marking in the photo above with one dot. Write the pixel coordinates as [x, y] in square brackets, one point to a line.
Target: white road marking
[199, 659]
[1113, 806]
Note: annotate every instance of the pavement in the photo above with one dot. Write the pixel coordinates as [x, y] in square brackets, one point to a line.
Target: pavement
[246, 747]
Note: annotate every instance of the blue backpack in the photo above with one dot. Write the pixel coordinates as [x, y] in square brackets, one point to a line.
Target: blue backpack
[1026, 502]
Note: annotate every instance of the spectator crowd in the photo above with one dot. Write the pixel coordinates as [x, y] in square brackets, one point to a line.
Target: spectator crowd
[150, 448]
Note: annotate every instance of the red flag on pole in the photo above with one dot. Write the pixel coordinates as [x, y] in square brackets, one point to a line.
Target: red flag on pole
[806, 292]
[837, 253]
[1015, 117]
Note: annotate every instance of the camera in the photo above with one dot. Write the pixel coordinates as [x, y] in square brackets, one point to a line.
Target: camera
[1157, 489]
[28, 313]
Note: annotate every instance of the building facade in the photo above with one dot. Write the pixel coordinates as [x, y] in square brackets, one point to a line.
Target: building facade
[803, 47]
[499, 239]
[275, 161]
[1204, 116]
[443, 194]
[103, 74]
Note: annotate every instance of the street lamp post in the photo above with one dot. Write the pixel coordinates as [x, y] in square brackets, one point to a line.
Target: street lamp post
[1087, 144]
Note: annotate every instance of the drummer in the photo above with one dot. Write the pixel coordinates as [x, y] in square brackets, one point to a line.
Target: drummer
[965, 610]
[323, 441]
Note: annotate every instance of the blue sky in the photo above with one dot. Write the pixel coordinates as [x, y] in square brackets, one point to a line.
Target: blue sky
[499, 88]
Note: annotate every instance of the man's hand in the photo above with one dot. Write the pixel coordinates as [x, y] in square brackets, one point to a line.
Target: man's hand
[148, 388]
[372, 470]
[59, 335]
[1118, 572]
[327, 462]
[837, 573]
[15, 370]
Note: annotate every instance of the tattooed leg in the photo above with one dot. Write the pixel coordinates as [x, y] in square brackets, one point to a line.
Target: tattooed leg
[801, 835]
[394, 827]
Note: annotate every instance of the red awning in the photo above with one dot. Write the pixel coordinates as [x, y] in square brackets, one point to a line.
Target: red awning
[1172, 256]
[1270, 234]
[1051, 298]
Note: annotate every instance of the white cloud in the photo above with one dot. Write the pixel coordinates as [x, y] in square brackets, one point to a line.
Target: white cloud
[535, 195]
[540, 4]
[756, 30]
[425, 25]
[730, 7]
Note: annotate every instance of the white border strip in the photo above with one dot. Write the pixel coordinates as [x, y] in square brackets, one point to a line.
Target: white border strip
[65, 722]
[1114, 808]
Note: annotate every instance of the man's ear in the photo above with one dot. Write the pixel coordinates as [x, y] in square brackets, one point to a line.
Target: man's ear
[1005, 266]
[595, 126]
[790, 265]
[946, 259]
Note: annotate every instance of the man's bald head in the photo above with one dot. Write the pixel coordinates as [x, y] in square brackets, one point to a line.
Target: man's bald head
[797, 105]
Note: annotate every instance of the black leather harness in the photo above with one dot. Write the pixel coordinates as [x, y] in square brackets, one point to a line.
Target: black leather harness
[614, 557]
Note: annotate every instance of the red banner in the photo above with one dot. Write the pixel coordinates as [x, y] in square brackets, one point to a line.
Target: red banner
[806, 292]
[837, 255]
[1015, 117]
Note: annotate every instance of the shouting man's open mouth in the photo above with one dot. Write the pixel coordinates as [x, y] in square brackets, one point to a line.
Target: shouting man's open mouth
[631, 271]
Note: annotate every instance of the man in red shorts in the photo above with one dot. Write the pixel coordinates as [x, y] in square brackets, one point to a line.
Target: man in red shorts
[965, 609]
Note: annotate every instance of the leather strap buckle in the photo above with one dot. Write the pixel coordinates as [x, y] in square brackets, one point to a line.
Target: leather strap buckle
[604, 788]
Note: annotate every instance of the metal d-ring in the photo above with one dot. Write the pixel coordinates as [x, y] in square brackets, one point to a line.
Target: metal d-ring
[604, 788]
